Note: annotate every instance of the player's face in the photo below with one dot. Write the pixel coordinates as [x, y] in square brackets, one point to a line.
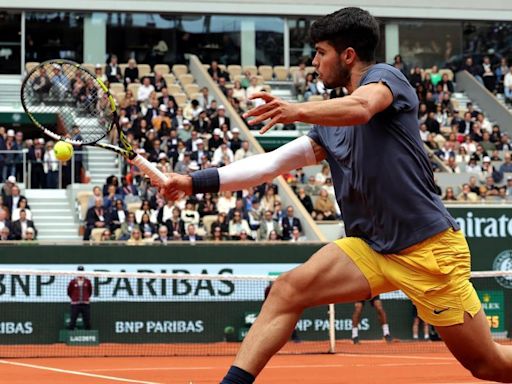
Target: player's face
[330, 66]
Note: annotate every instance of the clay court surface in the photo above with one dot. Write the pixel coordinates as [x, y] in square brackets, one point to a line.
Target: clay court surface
[411, 363]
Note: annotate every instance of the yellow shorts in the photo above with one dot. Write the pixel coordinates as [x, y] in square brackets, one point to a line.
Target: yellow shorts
[434, 274]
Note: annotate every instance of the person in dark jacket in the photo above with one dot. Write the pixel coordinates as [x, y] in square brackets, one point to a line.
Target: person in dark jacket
[80, 291]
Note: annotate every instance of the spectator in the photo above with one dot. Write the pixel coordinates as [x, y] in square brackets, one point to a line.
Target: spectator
[159, 82]
[278, 213]
[324, 207]
[447, 84]
[162, 121]
[217, 234]
[221, 118]
[305, 200]
[12, 201]
[216, 72]
[488, 75]
[506, 167]
[205, 99]
[467, 195]
[299, 80]
[4, 220]
[254, 87]
[145, 207]
[216, 140]
[221, 223]
[145, 90]
[106, 235]
[36, 158]
[323, 175]
[98, 72]
[268, 201]
[128, 191]
[7, 187]
[191, 235]
[239, 93]
[238, 224]
[267, 226]
[486, 141]
[472, 166]
[244, 236]
[509, 187]
[146, 226]
[109, 201]
[400, 65]
[80, 291]
[174, 224]
[96, 193]
[452, 165]
[51, 166]
[296, 236]
[274, 236]
[118, 215]
[113, 71]
[190, 215]
[449, 195]
[490, 186]
[505, 144]
[136, 237]
[255, 214]
[41, 85]
[5, 234]
[96, 218]
[289, 222]
[163, 235]
[222, 156]
[500, 73]
[128, 227]
[22, 205]
[20, 226]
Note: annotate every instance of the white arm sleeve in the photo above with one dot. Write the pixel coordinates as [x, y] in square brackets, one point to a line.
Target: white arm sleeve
[258, 169]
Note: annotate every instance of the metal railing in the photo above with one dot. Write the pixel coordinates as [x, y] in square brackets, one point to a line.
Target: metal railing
[26, 167]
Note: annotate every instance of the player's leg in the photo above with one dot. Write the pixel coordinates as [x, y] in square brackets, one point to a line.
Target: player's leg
[416, 328]
[356, 318]
[471, 343]
[426, 331]
[383, 318]
[329, 276]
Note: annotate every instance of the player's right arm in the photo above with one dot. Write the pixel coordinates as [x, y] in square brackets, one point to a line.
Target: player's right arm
[247, 172]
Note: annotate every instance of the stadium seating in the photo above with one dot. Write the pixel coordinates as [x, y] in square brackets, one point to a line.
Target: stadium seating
[179, 69]
[162, 68]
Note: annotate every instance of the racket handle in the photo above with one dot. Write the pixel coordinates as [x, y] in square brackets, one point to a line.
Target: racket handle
[149, 169]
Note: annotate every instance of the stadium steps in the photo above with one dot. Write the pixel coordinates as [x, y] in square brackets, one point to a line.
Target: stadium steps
[501, 99]
[10, 91]
[52, 214]
[101, 164]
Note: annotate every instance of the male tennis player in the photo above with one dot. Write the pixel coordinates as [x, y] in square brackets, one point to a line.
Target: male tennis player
[400, 236]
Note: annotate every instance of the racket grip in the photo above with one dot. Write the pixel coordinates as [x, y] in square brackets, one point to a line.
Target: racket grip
[149, 169]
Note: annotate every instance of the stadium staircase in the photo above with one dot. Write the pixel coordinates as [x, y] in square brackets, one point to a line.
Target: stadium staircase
[102, 164]
[52, 214]
[10, 91]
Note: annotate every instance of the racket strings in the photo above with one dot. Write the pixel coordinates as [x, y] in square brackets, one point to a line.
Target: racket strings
[74, 96]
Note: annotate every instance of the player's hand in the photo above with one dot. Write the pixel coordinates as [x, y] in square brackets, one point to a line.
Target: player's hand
[279, 111]
[176, 186]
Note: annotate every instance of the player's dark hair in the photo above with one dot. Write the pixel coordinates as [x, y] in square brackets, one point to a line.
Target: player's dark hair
[348, 27]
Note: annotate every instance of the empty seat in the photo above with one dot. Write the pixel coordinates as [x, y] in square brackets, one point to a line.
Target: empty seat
[186, 79]
[265, 71]
[116, 87]
[181, 99]
[281, 72]
[144, 70]
[179, 69]
[162, 69]
[169, 79]
[134, 88]
[310, 69]
[234, 70]
[120, 96]
[122, 67]
[251, 69]
[173, 89]
[31, 65]
[88, 66]
[191, 89]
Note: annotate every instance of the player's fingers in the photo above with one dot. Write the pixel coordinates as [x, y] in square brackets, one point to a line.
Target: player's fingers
[270, 114]
[270, 124]
[262, 95]
[259, 110]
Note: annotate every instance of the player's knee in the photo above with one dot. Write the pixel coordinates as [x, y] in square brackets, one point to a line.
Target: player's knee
[286, 291]
[490, 369]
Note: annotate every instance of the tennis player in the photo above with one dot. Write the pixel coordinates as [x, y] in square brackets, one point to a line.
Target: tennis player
[399, 234]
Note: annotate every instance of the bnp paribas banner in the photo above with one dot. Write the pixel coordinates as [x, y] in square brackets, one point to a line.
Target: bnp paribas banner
[488, 231]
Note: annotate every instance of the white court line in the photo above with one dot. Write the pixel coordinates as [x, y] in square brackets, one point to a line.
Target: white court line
[42, 367]
[394, 356]
[269, 367]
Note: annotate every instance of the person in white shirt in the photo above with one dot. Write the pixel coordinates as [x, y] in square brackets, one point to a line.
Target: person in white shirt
[51, 166]
[243, 152]
[22, 205]
[189, 215]
[507, 85]
[145, 90]
[296, 237]
[226, 202]
[253, 87]
[237, 225]
[424, 132]
[222, 155]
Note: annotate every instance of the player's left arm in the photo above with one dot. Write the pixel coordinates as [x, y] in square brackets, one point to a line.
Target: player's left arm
[355, 109]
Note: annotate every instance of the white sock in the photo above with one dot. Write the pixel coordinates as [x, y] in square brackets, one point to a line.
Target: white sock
[385, 329]
[426, 337]
[415, 337]
[355, 332]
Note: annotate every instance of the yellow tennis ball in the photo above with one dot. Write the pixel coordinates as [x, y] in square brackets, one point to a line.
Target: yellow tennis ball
[63, 151]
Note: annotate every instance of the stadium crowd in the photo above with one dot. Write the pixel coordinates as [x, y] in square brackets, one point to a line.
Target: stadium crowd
[15, 215]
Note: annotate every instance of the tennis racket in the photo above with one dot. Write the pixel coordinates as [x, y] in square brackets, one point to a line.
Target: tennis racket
[79, 100]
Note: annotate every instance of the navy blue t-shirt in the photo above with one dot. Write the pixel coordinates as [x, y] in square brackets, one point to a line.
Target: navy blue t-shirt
[382, 175]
